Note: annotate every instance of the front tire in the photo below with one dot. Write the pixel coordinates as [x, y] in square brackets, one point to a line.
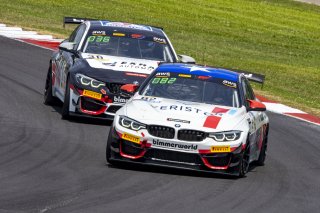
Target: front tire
[263, 152]
[108, 148]
[49, 99]
[244, 162]
[66, 103]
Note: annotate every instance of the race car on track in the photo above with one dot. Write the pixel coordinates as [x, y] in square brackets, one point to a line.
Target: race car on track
[191, 117]
[89, 68]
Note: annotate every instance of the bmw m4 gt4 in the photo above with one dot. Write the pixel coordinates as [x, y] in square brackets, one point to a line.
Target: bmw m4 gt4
[89, 68]
[191, 117]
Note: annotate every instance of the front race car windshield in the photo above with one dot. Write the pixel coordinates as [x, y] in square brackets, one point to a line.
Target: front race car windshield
[130, 45]
[185, 87]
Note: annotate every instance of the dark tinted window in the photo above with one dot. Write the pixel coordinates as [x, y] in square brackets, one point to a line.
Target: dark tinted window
[248, 92]
[202, 89]
[128, 45]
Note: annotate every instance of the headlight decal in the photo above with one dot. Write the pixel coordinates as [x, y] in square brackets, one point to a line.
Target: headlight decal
[225, 136]
[131, 124]
[87, 81]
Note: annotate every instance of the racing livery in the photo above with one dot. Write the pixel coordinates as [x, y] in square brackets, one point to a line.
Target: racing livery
[191, 117]
[89, 68]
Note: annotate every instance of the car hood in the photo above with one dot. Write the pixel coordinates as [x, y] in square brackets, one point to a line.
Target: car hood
[189, 115]
[112, 69]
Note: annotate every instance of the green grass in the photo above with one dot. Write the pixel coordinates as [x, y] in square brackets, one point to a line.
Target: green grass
[278, 38]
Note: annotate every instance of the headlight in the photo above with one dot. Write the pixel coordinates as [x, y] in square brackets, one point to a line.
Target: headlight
[131, 124]
[87, 81]
[225, 136]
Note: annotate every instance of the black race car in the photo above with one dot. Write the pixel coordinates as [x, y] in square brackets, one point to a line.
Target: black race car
[100, 56]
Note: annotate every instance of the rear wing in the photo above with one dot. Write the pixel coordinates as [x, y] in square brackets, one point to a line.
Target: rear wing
[74, 20]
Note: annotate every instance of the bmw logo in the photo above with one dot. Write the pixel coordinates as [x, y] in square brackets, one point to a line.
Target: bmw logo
[177, 125]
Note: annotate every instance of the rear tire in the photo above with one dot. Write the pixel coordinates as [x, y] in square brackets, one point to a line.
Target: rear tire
[244, 162]
[66, 103]
[49, 99]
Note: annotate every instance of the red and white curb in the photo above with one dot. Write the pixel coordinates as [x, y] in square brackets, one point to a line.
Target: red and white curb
[278, 108]
[31, 37]
[48, 42]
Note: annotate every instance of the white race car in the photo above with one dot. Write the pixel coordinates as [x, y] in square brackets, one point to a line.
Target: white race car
[191, 117]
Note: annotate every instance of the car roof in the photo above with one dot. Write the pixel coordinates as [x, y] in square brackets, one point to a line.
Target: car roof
[199, 70]
[126, 27]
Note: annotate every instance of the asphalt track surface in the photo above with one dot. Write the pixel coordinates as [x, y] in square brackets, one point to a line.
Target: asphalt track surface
[52, 165]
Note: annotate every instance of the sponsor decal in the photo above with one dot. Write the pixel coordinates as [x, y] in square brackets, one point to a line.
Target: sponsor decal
[118, 34]
[160, 40]
[150, 99]
[98, 32]
[184, 76]
[232, 111]
[111, 64]
[132, 138]
[229, 83]
[204, 77]
[137, 36]
[103, 91]
[163, 74]
[91, 94]
[219, 149]
[135, 65]
[118, 99]
[136, 74]
[186, 147]
[125, 25]
[178, 120]
[212, 121]
[185, 109]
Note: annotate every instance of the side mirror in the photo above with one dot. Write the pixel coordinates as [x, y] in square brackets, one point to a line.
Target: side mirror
[186, 59]
[256, 106]
[67, 46]
[129, 89]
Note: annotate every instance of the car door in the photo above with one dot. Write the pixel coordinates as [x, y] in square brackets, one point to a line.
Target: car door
[254, 120]
[65, 59]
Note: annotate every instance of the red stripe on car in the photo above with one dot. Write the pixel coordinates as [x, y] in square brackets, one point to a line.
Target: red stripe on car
[213, 120]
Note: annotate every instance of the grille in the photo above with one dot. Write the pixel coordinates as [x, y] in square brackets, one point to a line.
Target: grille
[130, 148]
[114, 87]
[161, 131]
[191, 135]
[113, 108]
[90, 104]
[174, 156]
[219, 161]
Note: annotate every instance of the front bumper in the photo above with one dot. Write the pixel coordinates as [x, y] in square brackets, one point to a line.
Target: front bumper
[126, 151]
[95, 105]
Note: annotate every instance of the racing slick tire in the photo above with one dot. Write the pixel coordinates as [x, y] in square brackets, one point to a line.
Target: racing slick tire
[66, 103]
[262, 155]
[108, 148]
[244, 162]
[49, 99]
